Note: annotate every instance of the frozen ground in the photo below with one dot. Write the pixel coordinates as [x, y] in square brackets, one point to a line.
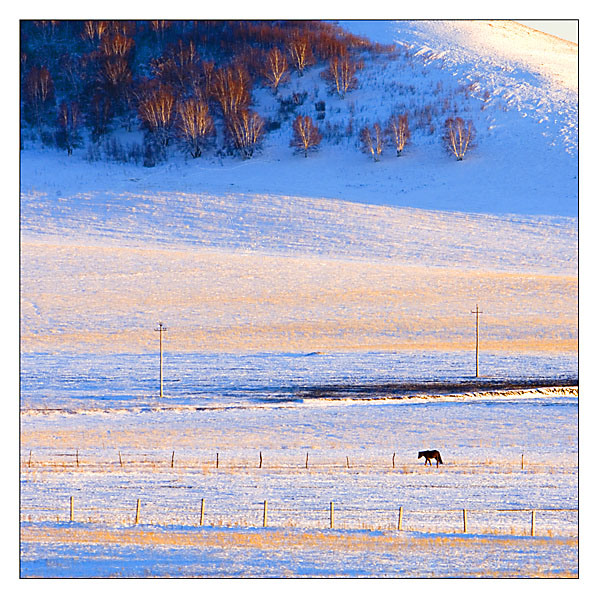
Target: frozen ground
[148, 551]
[91, 428]
[381, 282]
[129, 382]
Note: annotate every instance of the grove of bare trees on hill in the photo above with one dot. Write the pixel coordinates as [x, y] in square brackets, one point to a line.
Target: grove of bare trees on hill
[196, 83]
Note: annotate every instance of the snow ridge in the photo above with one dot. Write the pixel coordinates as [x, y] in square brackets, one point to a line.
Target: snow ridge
[536, 73]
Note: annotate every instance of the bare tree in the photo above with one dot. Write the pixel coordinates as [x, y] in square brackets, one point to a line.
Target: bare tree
[67, 126]
[459, 136]
[231, 87]
[73, 71]
[399, 131]
[179, 67]
[115, 77]
[306, 134]
[340, 74]
[276, 68]
[246, 129]
[372, 140]
[99, 116]
[39, 94]
[159, 28]
[208, 70]
[156, 112]
[47, 29]
[301, 53]
[94, 30]
[116, 45]
[195, 125]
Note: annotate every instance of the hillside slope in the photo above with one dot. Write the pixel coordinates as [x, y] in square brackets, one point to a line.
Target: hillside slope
[333, 251]
[525, 113]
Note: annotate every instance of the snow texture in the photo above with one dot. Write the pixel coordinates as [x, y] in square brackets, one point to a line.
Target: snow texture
[281, 275]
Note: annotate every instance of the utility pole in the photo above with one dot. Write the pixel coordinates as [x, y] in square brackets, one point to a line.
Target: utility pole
[161, 329]
[476, 312]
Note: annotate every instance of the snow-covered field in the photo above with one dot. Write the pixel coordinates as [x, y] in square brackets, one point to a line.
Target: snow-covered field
[237, 430]
[149, 551]
[93, 431]
[294, 291]
[83, 297]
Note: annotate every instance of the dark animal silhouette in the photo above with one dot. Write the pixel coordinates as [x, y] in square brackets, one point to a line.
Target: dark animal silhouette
[429, 454]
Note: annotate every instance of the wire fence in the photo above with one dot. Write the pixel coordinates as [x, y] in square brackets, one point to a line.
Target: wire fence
[221, 513]
[185, 461]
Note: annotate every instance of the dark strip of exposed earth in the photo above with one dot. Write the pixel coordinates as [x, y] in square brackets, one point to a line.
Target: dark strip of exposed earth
[460, 386]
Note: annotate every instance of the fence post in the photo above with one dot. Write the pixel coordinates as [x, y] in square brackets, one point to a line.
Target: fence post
[217, 460]
[394, 460]
[173, 459]
[464, 520]
[331, 515]
[260, 460]
[71, 509]
[306, 466]
[30, 459]
[400, 519]
[347, 463]
[120, 459]
[265, 514]
[202, 513]
[77, 456]
[522, 461]
[533, 522]
[137, 512]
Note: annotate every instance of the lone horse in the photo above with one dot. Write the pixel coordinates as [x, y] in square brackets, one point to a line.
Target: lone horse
[429, 454]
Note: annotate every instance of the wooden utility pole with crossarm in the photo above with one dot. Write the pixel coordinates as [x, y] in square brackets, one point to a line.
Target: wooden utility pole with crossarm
[476, 312]
[160, 329]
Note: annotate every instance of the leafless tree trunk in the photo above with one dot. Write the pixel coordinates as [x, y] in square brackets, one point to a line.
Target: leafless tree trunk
[276, 68]
[39, 93]
[246, 129]
[160, 27]
[195, 125]
[340, 74]
[459, 137]
[156, 111]
[372, 140]
[68, 122]
[94, 30]
[399, 131]
[99, 115]
[116, 45]
[179, 67]
[231, 87]
[306, 134]
[301, 53]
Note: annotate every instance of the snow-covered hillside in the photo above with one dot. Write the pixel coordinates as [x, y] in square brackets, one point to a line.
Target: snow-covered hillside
[286, 252]
[517, 85]
[535, 71]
